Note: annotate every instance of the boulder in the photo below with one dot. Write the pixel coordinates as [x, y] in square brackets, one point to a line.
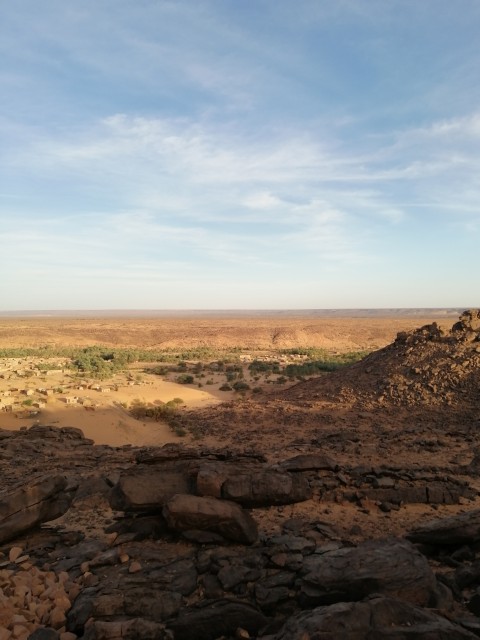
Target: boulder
[375, 618]
[463, 528]
[212, 475]
[391, 567]
[186, 512]
[149, 488]
[39, 501]
[266, 488]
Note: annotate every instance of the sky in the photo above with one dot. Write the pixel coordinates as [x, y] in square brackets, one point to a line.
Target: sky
[239, 154]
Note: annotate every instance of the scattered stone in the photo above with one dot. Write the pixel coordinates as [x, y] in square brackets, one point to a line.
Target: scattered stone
[134, 567]
[15, 552]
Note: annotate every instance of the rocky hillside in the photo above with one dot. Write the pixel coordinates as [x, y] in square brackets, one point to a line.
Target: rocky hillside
[188, 543]
[428, 366]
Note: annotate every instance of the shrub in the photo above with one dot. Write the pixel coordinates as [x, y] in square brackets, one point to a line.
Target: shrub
[160, 371]
[185, 378]
[240, 385]
[225, 387]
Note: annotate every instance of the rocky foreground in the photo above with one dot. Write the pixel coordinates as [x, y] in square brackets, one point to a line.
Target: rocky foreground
[187, 543]
[313, 519]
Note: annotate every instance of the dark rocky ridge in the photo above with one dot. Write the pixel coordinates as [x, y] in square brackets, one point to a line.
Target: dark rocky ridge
[427, 366]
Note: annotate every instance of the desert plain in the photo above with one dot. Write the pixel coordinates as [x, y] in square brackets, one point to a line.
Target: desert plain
[268, 476]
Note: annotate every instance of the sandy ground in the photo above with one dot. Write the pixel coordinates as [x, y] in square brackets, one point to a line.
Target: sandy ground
[109, 422]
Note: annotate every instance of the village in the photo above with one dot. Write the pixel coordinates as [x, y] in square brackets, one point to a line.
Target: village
[28, 385]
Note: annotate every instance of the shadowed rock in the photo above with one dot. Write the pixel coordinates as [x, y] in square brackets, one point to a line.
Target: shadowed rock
[460, 529]
[132, 629]
[36, 502]
[185, 512]
[376, 618]
[391, 567]
[217, 619]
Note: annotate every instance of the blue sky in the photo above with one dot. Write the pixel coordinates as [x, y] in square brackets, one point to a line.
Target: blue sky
[241, 154]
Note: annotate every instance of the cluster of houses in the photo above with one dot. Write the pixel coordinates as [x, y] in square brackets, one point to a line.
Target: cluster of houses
[291, 358]
[13, 398]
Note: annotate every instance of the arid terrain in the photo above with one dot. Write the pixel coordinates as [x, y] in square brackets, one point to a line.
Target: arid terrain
[296, 503]
[255, 331]
[99, 408]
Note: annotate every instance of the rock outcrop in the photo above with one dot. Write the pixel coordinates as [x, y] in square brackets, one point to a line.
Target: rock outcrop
[32, 503]
[463, 528]
[391, 567]
[376, 617]
[428, 366]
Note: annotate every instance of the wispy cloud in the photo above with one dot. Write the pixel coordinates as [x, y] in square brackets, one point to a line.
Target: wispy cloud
[242, 142]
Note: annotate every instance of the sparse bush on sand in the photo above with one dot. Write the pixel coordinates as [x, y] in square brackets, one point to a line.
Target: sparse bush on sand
[160, 412]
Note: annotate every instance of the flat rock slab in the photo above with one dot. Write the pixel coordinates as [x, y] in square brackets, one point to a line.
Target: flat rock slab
[392, 567]
[376, 618]
[186, 512]
[309, 462]
[454, 530]
[33, 503]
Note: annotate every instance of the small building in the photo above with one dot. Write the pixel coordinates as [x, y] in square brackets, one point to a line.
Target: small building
[39, 405]
[70, 400]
